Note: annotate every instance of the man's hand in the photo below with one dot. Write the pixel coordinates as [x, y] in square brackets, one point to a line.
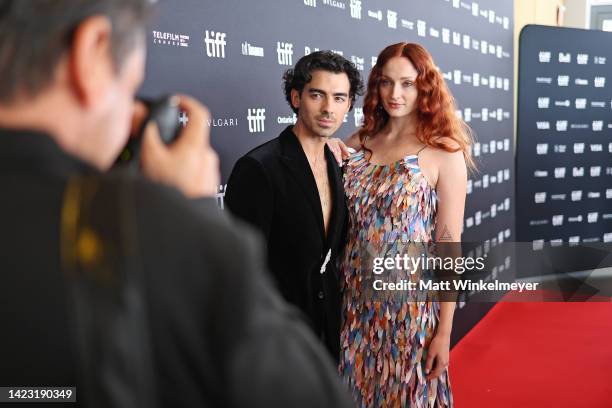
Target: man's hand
[189, 164]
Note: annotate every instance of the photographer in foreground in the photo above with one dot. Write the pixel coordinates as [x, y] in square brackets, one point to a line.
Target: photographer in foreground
[134, 292]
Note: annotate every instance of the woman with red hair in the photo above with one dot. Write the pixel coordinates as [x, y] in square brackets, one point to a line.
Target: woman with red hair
[405, 187]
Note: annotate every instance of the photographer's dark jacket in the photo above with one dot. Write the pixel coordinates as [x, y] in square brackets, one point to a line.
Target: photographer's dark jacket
[273, 188]
[140, 297]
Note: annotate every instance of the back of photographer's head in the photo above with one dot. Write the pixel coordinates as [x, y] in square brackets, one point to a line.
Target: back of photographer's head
[71, 68]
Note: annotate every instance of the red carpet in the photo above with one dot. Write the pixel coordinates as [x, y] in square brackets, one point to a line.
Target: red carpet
[525, 355]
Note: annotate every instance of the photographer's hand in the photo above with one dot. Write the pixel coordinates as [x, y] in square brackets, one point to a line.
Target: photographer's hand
[189, 164]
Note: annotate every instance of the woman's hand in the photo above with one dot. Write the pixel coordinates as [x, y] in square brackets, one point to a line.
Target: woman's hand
[438, 352]
[339, 149]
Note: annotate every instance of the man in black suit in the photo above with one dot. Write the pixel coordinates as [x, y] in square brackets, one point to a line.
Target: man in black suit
[290, 188]
[138, 293]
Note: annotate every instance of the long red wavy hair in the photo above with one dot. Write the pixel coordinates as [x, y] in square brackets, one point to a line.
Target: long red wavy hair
[437, 123]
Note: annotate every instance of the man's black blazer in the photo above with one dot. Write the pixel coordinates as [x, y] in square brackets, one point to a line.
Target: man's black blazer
[273, 188]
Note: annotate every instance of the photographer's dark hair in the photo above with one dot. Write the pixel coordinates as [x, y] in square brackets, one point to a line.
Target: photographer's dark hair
[299, 76]
[34, 34]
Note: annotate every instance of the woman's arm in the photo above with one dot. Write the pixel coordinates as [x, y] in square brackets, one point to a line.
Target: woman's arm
[451, 190]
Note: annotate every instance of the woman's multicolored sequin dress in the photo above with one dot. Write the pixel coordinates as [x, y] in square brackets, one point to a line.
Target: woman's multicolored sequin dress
[385, 334]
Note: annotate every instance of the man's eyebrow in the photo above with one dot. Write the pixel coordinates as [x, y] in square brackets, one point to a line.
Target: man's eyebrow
[325, 93]
[317, 90]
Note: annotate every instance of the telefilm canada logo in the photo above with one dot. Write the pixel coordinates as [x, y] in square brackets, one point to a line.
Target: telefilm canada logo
[256, 118]
[215, 44]
[172, 39]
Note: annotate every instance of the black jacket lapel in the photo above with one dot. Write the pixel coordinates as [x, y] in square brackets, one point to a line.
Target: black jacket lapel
[338, 210]
[294, 158]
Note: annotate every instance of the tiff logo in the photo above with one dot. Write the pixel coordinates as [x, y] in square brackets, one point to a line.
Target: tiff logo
[285, 53]
[358, 112]
[215, 44]
[311, 3]
[358, 61]
[257, 120]
[356, 9]
[391, 19]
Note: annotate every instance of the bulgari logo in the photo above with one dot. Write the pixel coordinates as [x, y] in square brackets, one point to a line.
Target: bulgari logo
[223, 122]
[334, 3]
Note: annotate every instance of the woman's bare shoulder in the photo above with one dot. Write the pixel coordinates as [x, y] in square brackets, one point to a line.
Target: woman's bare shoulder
[353, 141]
[447, 141]
[444, 158]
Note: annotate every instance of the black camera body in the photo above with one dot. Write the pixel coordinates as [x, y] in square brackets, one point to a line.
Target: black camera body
[165, 113]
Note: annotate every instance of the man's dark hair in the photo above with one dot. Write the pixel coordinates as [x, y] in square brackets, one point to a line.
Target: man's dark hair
[34, 34]
[296, 78]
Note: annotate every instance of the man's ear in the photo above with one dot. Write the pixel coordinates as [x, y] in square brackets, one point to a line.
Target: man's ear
[295, 98]
[91, 67]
